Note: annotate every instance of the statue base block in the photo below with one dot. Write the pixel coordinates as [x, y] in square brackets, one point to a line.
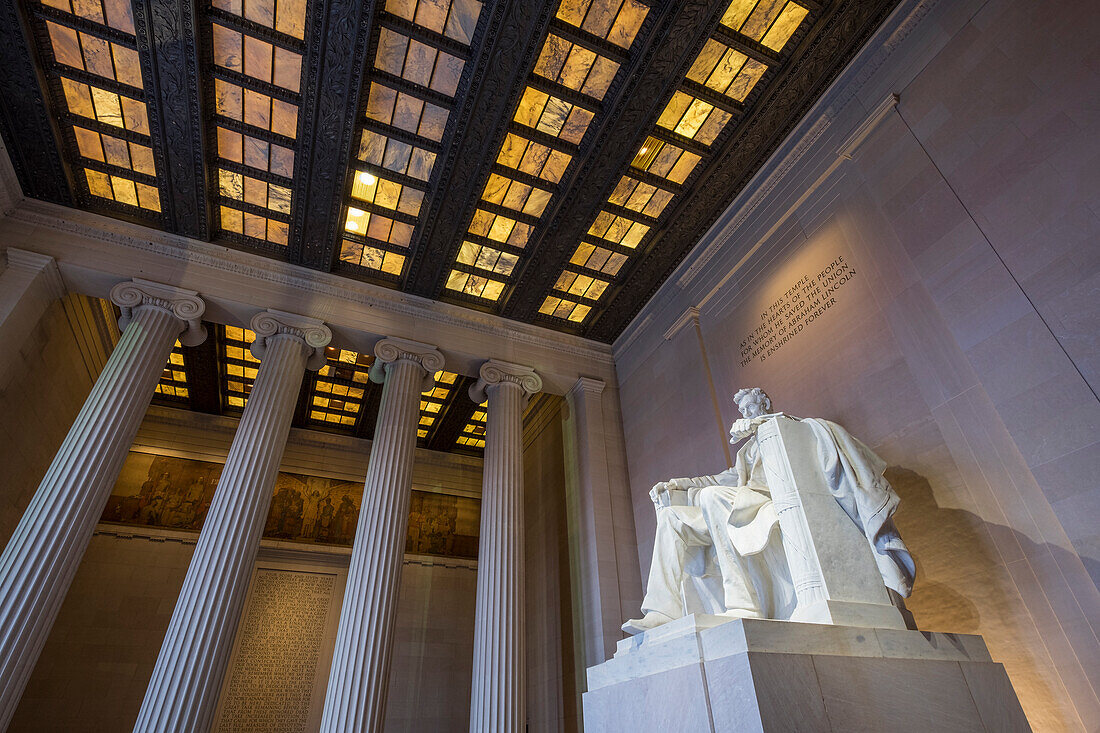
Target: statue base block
[712, 673]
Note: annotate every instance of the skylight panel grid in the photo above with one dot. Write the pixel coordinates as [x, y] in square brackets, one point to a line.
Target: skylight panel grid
[106, 128]
[433, 403]
[418, 62]
[172, 386]
[533, 158]
[770, 22]
[115, 14]
[95, 55]
[409, 99]
[693, 118]
[237, 365]
[396, 156]
[553, 116]
[257, 80]
[339, 388]
[613, 20]
[284, 16]
[726, 70]
[575, 67]
[473, 432]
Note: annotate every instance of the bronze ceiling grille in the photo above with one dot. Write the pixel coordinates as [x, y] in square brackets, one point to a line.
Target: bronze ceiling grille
[550, 161]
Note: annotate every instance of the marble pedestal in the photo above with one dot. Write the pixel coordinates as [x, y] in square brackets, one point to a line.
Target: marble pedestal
[709, 674]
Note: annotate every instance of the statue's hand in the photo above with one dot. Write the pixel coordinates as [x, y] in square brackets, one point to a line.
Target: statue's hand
[659, 494]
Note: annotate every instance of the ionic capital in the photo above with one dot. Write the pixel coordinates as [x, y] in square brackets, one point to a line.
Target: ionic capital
[185, 305]
[392, 349]
[313, 333]
[493, 373]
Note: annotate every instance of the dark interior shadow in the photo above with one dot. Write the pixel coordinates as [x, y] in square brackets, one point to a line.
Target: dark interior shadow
[962, 579]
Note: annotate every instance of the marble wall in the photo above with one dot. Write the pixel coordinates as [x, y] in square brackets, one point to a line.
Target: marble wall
[552, 695]
[955, 262]
[51, 375]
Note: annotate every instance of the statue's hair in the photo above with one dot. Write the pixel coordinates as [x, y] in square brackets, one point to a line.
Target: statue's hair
[755, 392]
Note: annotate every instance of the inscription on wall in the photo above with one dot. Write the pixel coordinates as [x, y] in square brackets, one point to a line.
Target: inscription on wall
[791, 313]
[271, 681]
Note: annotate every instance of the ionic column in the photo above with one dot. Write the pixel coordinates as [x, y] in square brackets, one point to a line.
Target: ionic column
[183, 691]
[497, 698]
[43, 554]
[359, 677]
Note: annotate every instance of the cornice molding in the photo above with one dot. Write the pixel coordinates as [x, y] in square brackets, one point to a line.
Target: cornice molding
[688, 317]
[185, 253]
[34, 264]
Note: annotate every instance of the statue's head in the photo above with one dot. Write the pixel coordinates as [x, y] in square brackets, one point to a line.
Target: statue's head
[752, 402]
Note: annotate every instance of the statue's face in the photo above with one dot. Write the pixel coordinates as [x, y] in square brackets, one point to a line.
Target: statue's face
[752, 407]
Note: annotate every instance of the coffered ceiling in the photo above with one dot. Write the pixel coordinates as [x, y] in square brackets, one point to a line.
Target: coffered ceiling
[550, 161]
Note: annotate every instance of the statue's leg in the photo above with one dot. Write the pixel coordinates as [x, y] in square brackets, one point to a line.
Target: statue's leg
[741, 597]
[679, 529]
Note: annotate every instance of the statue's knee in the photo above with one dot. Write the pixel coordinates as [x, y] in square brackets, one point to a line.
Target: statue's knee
[709, 496]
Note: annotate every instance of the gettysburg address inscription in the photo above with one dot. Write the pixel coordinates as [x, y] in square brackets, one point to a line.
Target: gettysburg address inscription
[272, 678]
[800, 305]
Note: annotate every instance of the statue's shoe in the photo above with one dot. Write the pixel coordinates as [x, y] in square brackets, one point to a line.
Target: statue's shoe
[651, 620]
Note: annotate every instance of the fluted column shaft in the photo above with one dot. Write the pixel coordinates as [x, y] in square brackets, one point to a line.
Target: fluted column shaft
[359, 677]
[42, 557]
[183, 691]
[498, 694]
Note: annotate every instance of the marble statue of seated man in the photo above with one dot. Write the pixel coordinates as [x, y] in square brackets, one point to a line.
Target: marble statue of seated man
[718, 547]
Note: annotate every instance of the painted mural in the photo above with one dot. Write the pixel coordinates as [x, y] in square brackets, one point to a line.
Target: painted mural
[175, 493]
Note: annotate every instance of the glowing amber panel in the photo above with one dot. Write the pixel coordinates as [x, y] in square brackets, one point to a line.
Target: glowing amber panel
[114, 13]
[394, 155]
[256, 109]
[255, 58]
[644, 198]
[575, 67]
[475, 285]
[567, 310]
[617, 21]
[532, 158]
[123, 190]
[106, 107]
[456, 19]
[95, 55]
[114, 151]
[285, 16]
[255, 153]
[665, 160]
[487, 258]
[772, 22]
[418, 62]
[363, 255]
[553, 116]
[252, 225]
[726, 71]
[406, 112]
[693, 118]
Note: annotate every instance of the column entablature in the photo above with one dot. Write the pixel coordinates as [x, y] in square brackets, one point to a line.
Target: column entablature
[392, 349]
[186, 305]
[314, 334]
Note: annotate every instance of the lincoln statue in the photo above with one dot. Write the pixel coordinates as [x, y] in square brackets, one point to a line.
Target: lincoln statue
[719, 548]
